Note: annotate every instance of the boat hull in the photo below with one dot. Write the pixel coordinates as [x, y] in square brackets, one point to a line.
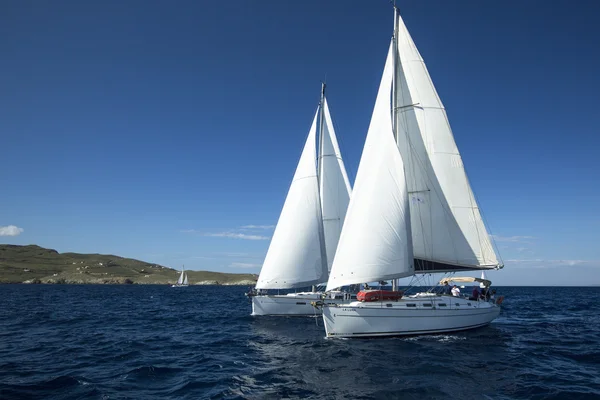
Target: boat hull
[410, 316]
[293, 304]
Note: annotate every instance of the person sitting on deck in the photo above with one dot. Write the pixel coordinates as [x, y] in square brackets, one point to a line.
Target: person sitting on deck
[455, 291]
[475, 295]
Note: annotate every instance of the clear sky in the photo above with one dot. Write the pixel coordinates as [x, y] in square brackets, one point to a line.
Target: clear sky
[170, 131]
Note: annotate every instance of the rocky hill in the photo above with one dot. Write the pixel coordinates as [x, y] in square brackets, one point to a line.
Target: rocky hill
[35, 264]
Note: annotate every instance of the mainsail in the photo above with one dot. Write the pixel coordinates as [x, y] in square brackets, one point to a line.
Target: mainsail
[333, 184]
[375, 242]
[296, 255]
[181, 278]
[448, 232]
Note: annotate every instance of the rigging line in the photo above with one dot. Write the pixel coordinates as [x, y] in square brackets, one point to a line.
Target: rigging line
[415, 282]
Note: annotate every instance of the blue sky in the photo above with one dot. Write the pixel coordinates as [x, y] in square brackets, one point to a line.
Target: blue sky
[169, 132]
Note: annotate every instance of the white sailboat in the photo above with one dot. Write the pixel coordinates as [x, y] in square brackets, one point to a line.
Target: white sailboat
[412, 212]
[183, 279]
[309, 225]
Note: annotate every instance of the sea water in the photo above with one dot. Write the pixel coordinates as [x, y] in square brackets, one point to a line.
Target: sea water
[158, 342]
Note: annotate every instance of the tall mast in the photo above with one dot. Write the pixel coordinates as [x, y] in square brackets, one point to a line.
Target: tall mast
[320, 164]
[395, 76]
[394, 95]
[321, 124]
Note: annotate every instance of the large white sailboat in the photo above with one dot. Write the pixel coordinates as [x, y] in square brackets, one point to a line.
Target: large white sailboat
[309, 225]
[412, 212]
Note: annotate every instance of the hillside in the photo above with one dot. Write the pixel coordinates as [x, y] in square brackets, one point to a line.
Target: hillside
[35, 264]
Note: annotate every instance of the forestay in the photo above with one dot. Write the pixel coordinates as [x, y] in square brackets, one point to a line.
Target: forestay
[375, 242]
[334, 185]
[447, 229]
[296, 255]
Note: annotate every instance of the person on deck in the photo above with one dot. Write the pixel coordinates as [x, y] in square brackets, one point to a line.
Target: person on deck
[455, 291]
[485, 293]
[475, 294]
[446, 289]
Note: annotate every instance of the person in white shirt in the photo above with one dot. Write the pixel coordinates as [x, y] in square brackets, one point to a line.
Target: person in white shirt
[455, 291]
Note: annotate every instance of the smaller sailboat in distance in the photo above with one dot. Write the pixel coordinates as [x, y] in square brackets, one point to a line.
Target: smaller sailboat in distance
[183, 279]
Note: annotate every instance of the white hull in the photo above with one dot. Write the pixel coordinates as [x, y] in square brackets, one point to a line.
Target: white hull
[413, 315]
[178, 285]
[297, 304]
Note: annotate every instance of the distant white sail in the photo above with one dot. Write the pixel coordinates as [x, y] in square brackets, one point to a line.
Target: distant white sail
[296, 255]
[375, 243]
[447, 227]
[334, 186]
[181, 277]
[185, 280]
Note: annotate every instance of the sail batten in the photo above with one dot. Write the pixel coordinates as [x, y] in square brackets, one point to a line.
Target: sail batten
[447, 228]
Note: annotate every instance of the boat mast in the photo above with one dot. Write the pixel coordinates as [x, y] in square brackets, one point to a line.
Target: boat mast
[320, 146]
[395, 76]
[394, 95]
[321, 124]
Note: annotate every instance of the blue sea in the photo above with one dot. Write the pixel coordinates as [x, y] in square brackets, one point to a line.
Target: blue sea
[157, 342]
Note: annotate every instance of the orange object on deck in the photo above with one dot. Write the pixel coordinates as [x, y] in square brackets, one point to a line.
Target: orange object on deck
[378, 295]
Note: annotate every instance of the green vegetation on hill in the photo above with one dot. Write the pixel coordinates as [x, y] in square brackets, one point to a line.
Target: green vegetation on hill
[35, 264]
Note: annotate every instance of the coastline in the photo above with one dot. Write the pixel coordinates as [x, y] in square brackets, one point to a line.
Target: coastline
[32, 264]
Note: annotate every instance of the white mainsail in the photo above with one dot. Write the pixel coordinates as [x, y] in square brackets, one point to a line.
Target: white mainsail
[447, 228]
[375, 242]
[296, 255]
[333, 184]
[181, 277]
[185, 280]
